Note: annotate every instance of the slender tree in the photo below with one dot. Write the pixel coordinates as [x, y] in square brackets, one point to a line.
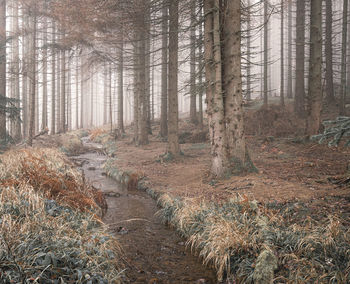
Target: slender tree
[173, 128]
[2, 70]
[164, 82]
[282, 55]
[299, 100]
[121, 85]
[53, 80]
[315, 66]
[330, 98]
[343, 56]
[32, 76]
[290, 60]
[193, 99]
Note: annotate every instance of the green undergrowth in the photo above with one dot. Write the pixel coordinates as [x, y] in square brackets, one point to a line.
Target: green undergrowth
[50, 231]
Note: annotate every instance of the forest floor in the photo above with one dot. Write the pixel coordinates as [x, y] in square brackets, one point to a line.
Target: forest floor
[289, 170]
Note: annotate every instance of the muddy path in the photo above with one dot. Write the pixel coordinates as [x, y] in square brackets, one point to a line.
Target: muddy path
[153, 252]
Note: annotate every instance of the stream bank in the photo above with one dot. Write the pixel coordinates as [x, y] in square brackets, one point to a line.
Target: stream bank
[153, 252]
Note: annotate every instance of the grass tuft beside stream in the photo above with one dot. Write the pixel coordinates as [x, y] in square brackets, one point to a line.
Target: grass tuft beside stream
[50, 228]
[243, 241]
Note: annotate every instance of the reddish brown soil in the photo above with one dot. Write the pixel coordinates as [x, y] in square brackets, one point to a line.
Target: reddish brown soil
[287, 170]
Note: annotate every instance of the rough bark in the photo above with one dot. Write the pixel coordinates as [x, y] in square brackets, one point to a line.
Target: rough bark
[63, 93]
[282, 55]
[25, 78]
[16, 82]
[315, 65]
[120, 87]
[330, 98]
[53, 81]
[343, 56]
[213, 70]
[164, 79]
[77, 93]
[193, 91]
[173, 128]
[32, 78]
[248, 94]
[201, 69]
[44, 122]
[290, 64]
[266, 33]
[299, 99]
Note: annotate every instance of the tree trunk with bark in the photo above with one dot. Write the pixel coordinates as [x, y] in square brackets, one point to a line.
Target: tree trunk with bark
[343, 57]
[299, 99]
[224, 87]
[2, 70]
[121, 86]
[315, 69]
[53, 81]
[330, 98]
[173, 128]
[193, 89]
[164, 78]
[32, 77]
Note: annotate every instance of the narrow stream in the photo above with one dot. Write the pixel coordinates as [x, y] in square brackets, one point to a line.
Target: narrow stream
[154, 253]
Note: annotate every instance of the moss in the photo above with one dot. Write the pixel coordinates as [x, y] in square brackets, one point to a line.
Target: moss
[266, 264]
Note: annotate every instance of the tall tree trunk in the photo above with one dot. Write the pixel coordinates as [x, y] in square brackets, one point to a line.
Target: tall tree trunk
[193, 89]
[63, 93]
[148, 67]
[121, 85]
[32, 77]
[282, 55]
[248, 51]
[58, 84]
[2, 70]
[143, 92]
[290, 64]
[53, 80]
[330, 98]
[110, 96]
[136, 78]
[91, 96]
[201, 68]
[173, 128]
[315, 65]
[25, 77]
[299, 99]
[213, 73]
[105, 93]
[164, 82]
[16, 84]
[82, 91]
[77, 93]
[266, 40]
[69, 97]
[44, 122]
[343, 57]
[236, 144]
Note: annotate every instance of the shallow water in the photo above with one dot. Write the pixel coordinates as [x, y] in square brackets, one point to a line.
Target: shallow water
[153, 252]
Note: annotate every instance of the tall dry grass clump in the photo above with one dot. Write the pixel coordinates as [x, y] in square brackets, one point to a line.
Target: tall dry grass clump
[248, 243]
[50, 231]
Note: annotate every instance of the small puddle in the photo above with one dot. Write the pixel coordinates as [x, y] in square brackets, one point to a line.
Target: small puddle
[154, 253]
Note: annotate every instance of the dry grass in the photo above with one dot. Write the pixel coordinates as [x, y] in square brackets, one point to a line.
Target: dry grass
[48, 241]
[49, 172]
[231, 236]
[96, 132]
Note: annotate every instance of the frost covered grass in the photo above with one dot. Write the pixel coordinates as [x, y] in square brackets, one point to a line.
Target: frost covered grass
[50, 228]
[254, 244]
